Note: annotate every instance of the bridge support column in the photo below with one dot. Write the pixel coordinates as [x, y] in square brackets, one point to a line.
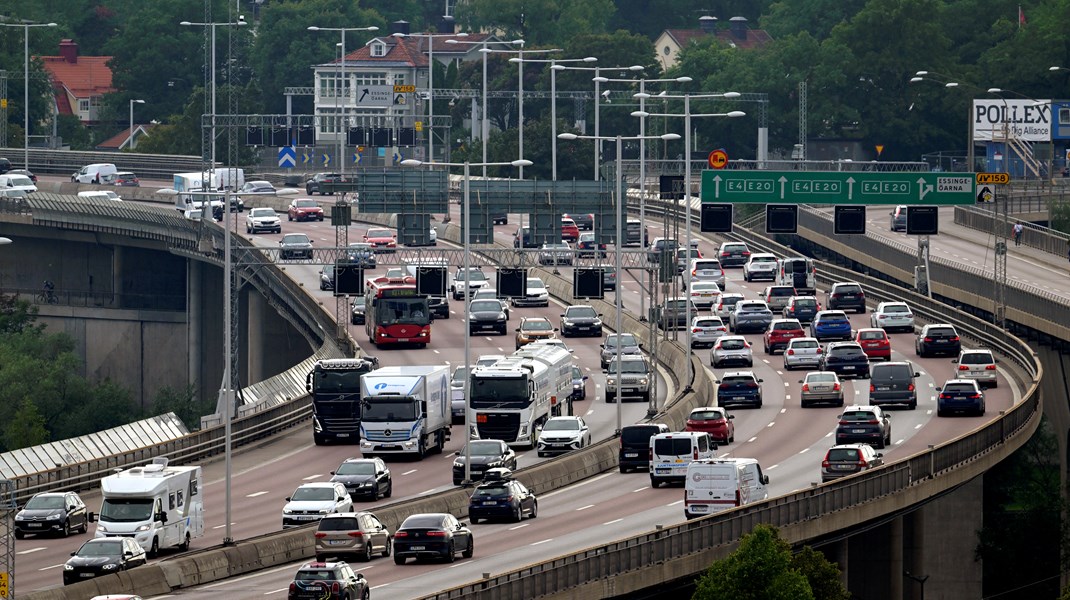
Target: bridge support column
[256, 347]
[913, 539]
[895, 558]
[841, 555]
[117, 276]
[950, 534]
[194, 315]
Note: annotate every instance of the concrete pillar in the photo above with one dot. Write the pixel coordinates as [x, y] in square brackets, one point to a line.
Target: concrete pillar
[950, 535]
[255, 325]
[895, 558]
[841, 553]
[194, 313]
[117, 276]
[914, 558]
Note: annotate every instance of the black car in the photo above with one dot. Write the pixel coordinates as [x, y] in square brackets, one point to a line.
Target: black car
[362, 254]
[501, 496]
[365, 478]
[356, 310]
[733, 254]
[486, 455]
[327, 277]
[739, 388]
[52, 512]
[803, 308]
[487, 314]
[312, 186]
[635, 445]
[5, 165]
[937, 339]
[125, 179]
[328, 581]
[432, 535]
[960, 395]
[673, 313]
[845, 296]
[529, 239]
[102, 556]
[865, 424]
[295, 246]
[893, 383]
[846, 359]
[581, 319]
[584, 221]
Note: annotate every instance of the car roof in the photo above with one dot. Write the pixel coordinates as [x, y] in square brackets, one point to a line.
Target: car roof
[318, 484]
[861, 407]
[833, 345]
[762, 255]
[565, 418]
[964, 381]
[739, 374]
[826, 313]
[804, 338]
[975, 351]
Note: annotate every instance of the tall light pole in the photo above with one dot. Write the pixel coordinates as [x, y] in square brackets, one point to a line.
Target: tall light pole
[431, 84]
[597, 102]
[484, 131]
[26, 88]
[553, 98]
[130, 145]
[343, 85]
[618, 243]
[465, 226]
[520, 91]
[687, 181]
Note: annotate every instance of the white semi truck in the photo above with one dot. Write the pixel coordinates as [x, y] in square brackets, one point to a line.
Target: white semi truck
[405, 410]
[158, 505]
[512, 398]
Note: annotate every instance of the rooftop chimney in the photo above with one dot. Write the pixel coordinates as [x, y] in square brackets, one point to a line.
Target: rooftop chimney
[738, 26]
[707, 23]
[399, 27]
[447, 25]
[68, 49]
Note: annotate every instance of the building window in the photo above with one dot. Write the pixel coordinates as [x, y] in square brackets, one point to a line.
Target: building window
[378, 50]
[399, 79]
[371, 78]
[83, 106]
[666, 50]
[1064, 116]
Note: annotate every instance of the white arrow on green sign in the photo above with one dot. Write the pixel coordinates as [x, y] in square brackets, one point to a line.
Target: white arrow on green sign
[832, 187]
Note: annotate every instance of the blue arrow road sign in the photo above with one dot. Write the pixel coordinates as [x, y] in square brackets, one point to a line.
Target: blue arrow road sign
[287, 156]
[306, 158]
[326, 159]
[357, 158]
[398, 157]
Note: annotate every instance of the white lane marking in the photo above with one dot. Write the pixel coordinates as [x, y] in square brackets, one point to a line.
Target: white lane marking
[918, 426]
[31, 550]
[589, 412]
[311, 477]
[584, 507]
[223, 525]
[787, 396]
[541, 542]
[773, 467]
[275, 591]
[430, 491]
[804, 451]
[765, 360]
[785, 384]
[771, 423]
[929, 412]
[752, 439]
[518, 526]
[52, 567]
[829, 434]
[678, 502]
[640, 489]
[257, 574]
[613, 521]
[435, 351]
[899, 442]
[857, 392]
[409, 472]
[783, 410]
[255, 494]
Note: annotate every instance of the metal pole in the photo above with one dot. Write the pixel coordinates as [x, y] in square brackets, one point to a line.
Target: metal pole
[553, 120]
[228, 393]
[211, 171]
[467, 326]
[130, 141]
[483, 127]
[597, 142]
[642, 188]
[618, 293]
[430, 98]
[687, 199]
[26, 101]
[520, 113]
[341, 113]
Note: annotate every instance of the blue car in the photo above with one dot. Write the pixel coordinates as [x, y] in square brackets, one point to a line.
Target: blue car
[960, 395]
[830, 325]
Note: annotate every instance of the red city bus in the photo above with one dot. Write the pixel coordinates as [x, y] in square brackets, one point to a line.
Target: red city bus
[394, 313]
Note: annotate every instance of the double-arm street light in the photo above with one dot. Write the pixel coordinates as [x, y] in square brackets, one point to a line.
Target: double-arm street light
[343, 89]
[520, 89]
[130, 144]
[431, 83]
[619, 244]
[553, 98]
[484, 132]
[466, 235]
[687, 115]
[26, 87]
[597, 103]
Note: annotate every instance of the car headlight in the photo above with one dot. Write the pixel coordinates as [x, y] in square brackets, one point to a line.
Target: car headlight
[611, 381]
[644, 381]
[501, 316]
[566, 323]
[142, 528]
[576, 386]
[19, 517]
[109, 567]
[287, 511]
[325, 511]
[597, 323]
[68, 568]
[55, 517]
[101, 528]
[458, 464]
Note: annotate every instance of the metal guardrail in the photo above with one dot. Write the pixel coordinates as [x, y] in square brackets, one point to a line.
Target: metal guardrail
[67, 162]
[1033, 235]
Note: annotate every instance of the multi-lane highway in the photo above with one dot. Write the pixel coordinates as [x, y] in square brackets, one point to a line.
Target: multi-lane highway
[787, 440]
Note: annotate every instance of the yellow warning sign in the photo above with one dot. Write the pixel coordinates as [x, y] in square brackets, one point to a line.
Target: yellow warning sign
[4, 585]
[993, 178]
[419, 125]
[404, 89]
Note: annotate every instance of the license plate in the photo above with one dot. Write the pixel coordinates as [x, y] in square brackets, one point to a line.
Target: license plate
[341, 435]
[35, 524]
[662, 471]
[883, 388]
[739, 397]
[388, 447]
[858, 431]
[489, 503]
[403, 340]
[487, 326]
[848, 368]
[85, 574]
[417, 547]
[337, 542]
[631, 455]
[843, 467]
[699, 508]
[628, 391]
[583, 328]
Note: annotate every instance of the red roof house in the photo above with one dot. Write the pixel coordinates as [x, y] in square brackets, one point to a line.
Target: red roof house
[79, 82]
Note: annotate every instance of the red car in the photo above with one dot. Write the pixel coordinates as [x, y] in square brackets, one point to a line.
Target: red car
[780, 332]
[381, 239]
[303, 209]
[712, 420]
[569, 231]
[874, 342]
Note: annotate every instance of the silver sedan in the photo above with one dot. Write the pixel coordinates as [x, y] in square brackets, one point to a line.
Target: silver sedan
[821, 386]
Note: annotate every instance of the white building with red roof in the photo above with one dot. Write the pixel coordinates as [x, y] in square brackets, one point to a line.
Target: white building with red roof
[78, 82]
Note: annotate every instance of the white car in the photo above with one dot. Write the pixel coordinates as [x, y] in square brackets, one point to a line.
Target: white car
[978, 365]
[705, 294]
[262, 219]
[707, 269]
[476, 280]
[731, 350]
[311, 501]
[761, 265]
[555, 253]
[17, 182]
[727, 304]
[537, 294]
[891, 316]
[563, 434]
[802, 352]
[705, 331]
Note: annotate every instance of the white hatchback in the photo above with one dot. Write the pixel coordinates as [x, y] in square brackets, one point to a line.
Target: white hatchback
[761, 265]
[891, 316]
[978, 365]
[705, 294]
[727, 304]
[802, 352]
[705, 331]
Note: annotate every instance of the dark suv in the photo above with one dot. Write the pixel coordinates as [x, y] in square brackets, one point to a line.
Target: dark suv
[845, 296]
[502, 496]
[635, 445]
[846, 359]
[328, 581]
[740, 388]
[803, 308]
[865, 424]
[937, 339]
[893, 383]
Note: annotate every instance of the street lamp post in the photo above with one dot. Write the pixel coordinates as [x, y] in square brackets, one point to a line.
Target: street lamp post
[483, 116]
[431, 84]
[130, 144]
[343, 82]
[26, 88]
[687, 115]
[619, 243]
[466, 233]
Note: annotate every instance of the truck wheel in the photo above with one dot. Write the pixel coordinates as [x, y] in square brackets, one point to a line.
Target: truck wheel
[184, 546]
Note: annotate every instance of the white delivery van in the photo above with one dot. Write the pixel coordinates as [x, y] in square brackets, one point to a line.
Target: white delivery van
[17, 182]
[158, 505]
[670, 453]
[95, 173]
[718, 484]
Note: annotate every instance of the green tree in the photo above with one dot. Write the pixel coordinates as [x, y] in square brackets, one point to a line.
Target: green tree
[74, 134]
[763, 568]
[26, 427]
[538, 22]
[16, 315]
[185, 403]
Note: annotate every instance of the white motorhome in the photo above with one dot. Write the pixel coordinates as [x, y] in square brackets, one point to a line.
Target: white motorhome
[718, 484]
[191, 191]
[160, 506]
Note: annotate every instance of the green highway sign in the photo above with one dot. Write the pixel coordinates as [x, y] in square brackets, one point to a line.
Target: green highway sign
[836, 187]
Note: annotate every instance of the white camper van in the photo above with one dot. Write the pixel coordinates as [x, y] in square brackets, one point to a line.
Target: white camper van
[718, 484]
[157, 505]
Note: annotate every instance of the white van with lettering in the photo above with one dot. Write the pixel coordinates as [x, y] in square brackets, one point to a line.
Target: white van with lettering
[671, 453]
[719, 484]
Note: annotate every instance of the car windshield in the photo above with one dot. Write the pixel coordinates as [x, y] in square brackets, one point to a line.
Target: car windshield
[472, 275]
[555, 246]
[101, 548]
[958, 388]
[581, 312]
[626, 340]
[763, 259]
[709, 323]
[737, 380]
[539, 325]
[380, 233]
[804, 344]
[44, 503]
[486, 306]
[492, 491]
[561, 425]
[535, 283]
[118, 510]
[628, 366]
[422, 522]
[304, 494]
[847, 352]
[387, 409]
[315, 575]
[339, 524]
[576, 372]
[735, 248]
[782, 291]
[871, 335]
[262, 212]
[787, 325]
[843, 454]
[356, 468]
[706, 415]
[750, 307]
[834, 318]
[305, 203]
[19, 180]
[891, 372]
[942, 332]
[896, 308]
[732, 345]
[295, 238]
[705, 286]
[485, 449]
[859, 415]
[848, 289]
[972, 358]
[805, 302]
[458, 375]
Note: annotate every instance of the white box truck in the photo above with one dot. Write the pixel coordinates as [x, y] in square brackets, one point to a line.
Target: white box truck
[158, 505]
[721, 483]
[405, 410]
[190, 188]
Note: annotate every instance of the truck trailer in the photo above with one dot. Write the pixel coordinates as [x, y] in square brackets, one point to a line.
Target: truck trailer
[405, 410]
